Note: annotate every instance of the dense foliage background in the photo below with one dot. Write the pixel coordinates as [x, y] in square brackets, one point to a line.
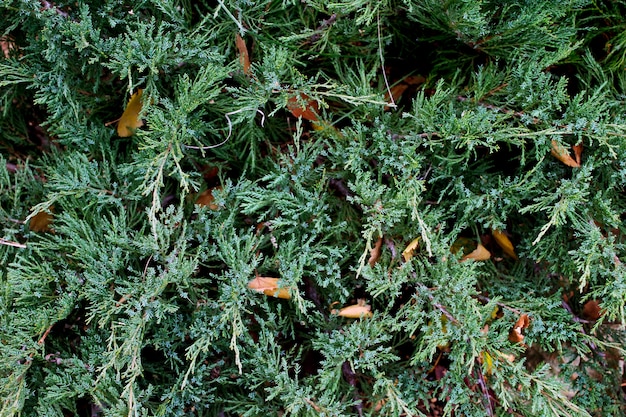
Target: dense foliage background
[456, 167]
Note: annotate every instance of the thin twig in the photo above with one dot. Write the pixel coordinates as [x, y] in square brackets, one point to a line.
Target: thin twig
[499, 304]
[382, 62]
[242, 30]
[42, 339]
[14, 244]
[485, 390]
[230, 130]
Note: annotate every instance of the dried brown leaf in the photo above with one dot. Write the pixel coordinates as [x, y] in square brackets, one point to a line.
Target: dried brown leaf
[592, 310]
[578, 152]
[244, 58]
[516, 335]
[269, 286]
[41, 221]
[206, 198]
[303, 106]
[562, 154]
[375, 252]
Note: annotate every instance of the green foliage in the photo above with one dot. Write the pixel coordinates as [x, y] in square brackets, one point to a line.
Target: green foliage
[134, 300]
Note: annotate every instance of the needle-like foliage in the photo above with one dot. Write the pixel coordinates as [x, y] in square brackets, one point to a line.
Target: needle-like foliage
[451, 173]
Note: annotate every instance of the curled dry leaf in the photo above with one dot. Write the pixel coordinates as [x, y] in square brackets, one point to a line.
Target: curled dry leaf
[301, 105]
[408, 252]
[562, 154]
[355, 311]
[479, 254]
[130, 118]
[515, 335]
[375, 252]
[269, 286]
[503, 241]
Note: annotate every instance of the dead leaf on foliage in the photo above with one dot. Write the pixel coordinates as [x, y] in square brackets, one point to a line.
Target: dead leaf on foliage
[375, 252]
[578, 152]
[408, 252]
[206, 198]
[301, 105]
[355, 311]
[479, 254]
[41, 221]
[488, 362]
[592, 310]
[130, 120]
[244, 58]
[562, 154]
[515, 335]
[504, 242]
[269, 286]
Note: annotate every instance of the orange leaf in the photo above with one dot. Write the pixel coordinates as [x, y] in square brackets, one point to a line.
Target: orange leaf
[269, 286]
[515, 335]
[130, 118]
[407, 253]
[375, 252]
[592, 310]
[40, 222]
[244, 58]
[479, 254]
[303, 106]
[578, 152]
[355, 311]
[562, 154]
[503, 241]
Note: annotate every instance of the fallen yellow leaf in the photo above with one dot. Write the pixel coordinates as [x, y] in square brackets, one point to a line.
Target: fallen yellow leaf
[407, 253]
[488, 361]
[503, 241]
[130, 118]
[479, 254]
[269, 286]
[355, 311]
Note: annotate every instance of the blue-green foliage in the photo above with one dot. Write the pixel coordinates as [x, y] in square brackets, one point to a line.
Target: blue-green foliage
[135, 301]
